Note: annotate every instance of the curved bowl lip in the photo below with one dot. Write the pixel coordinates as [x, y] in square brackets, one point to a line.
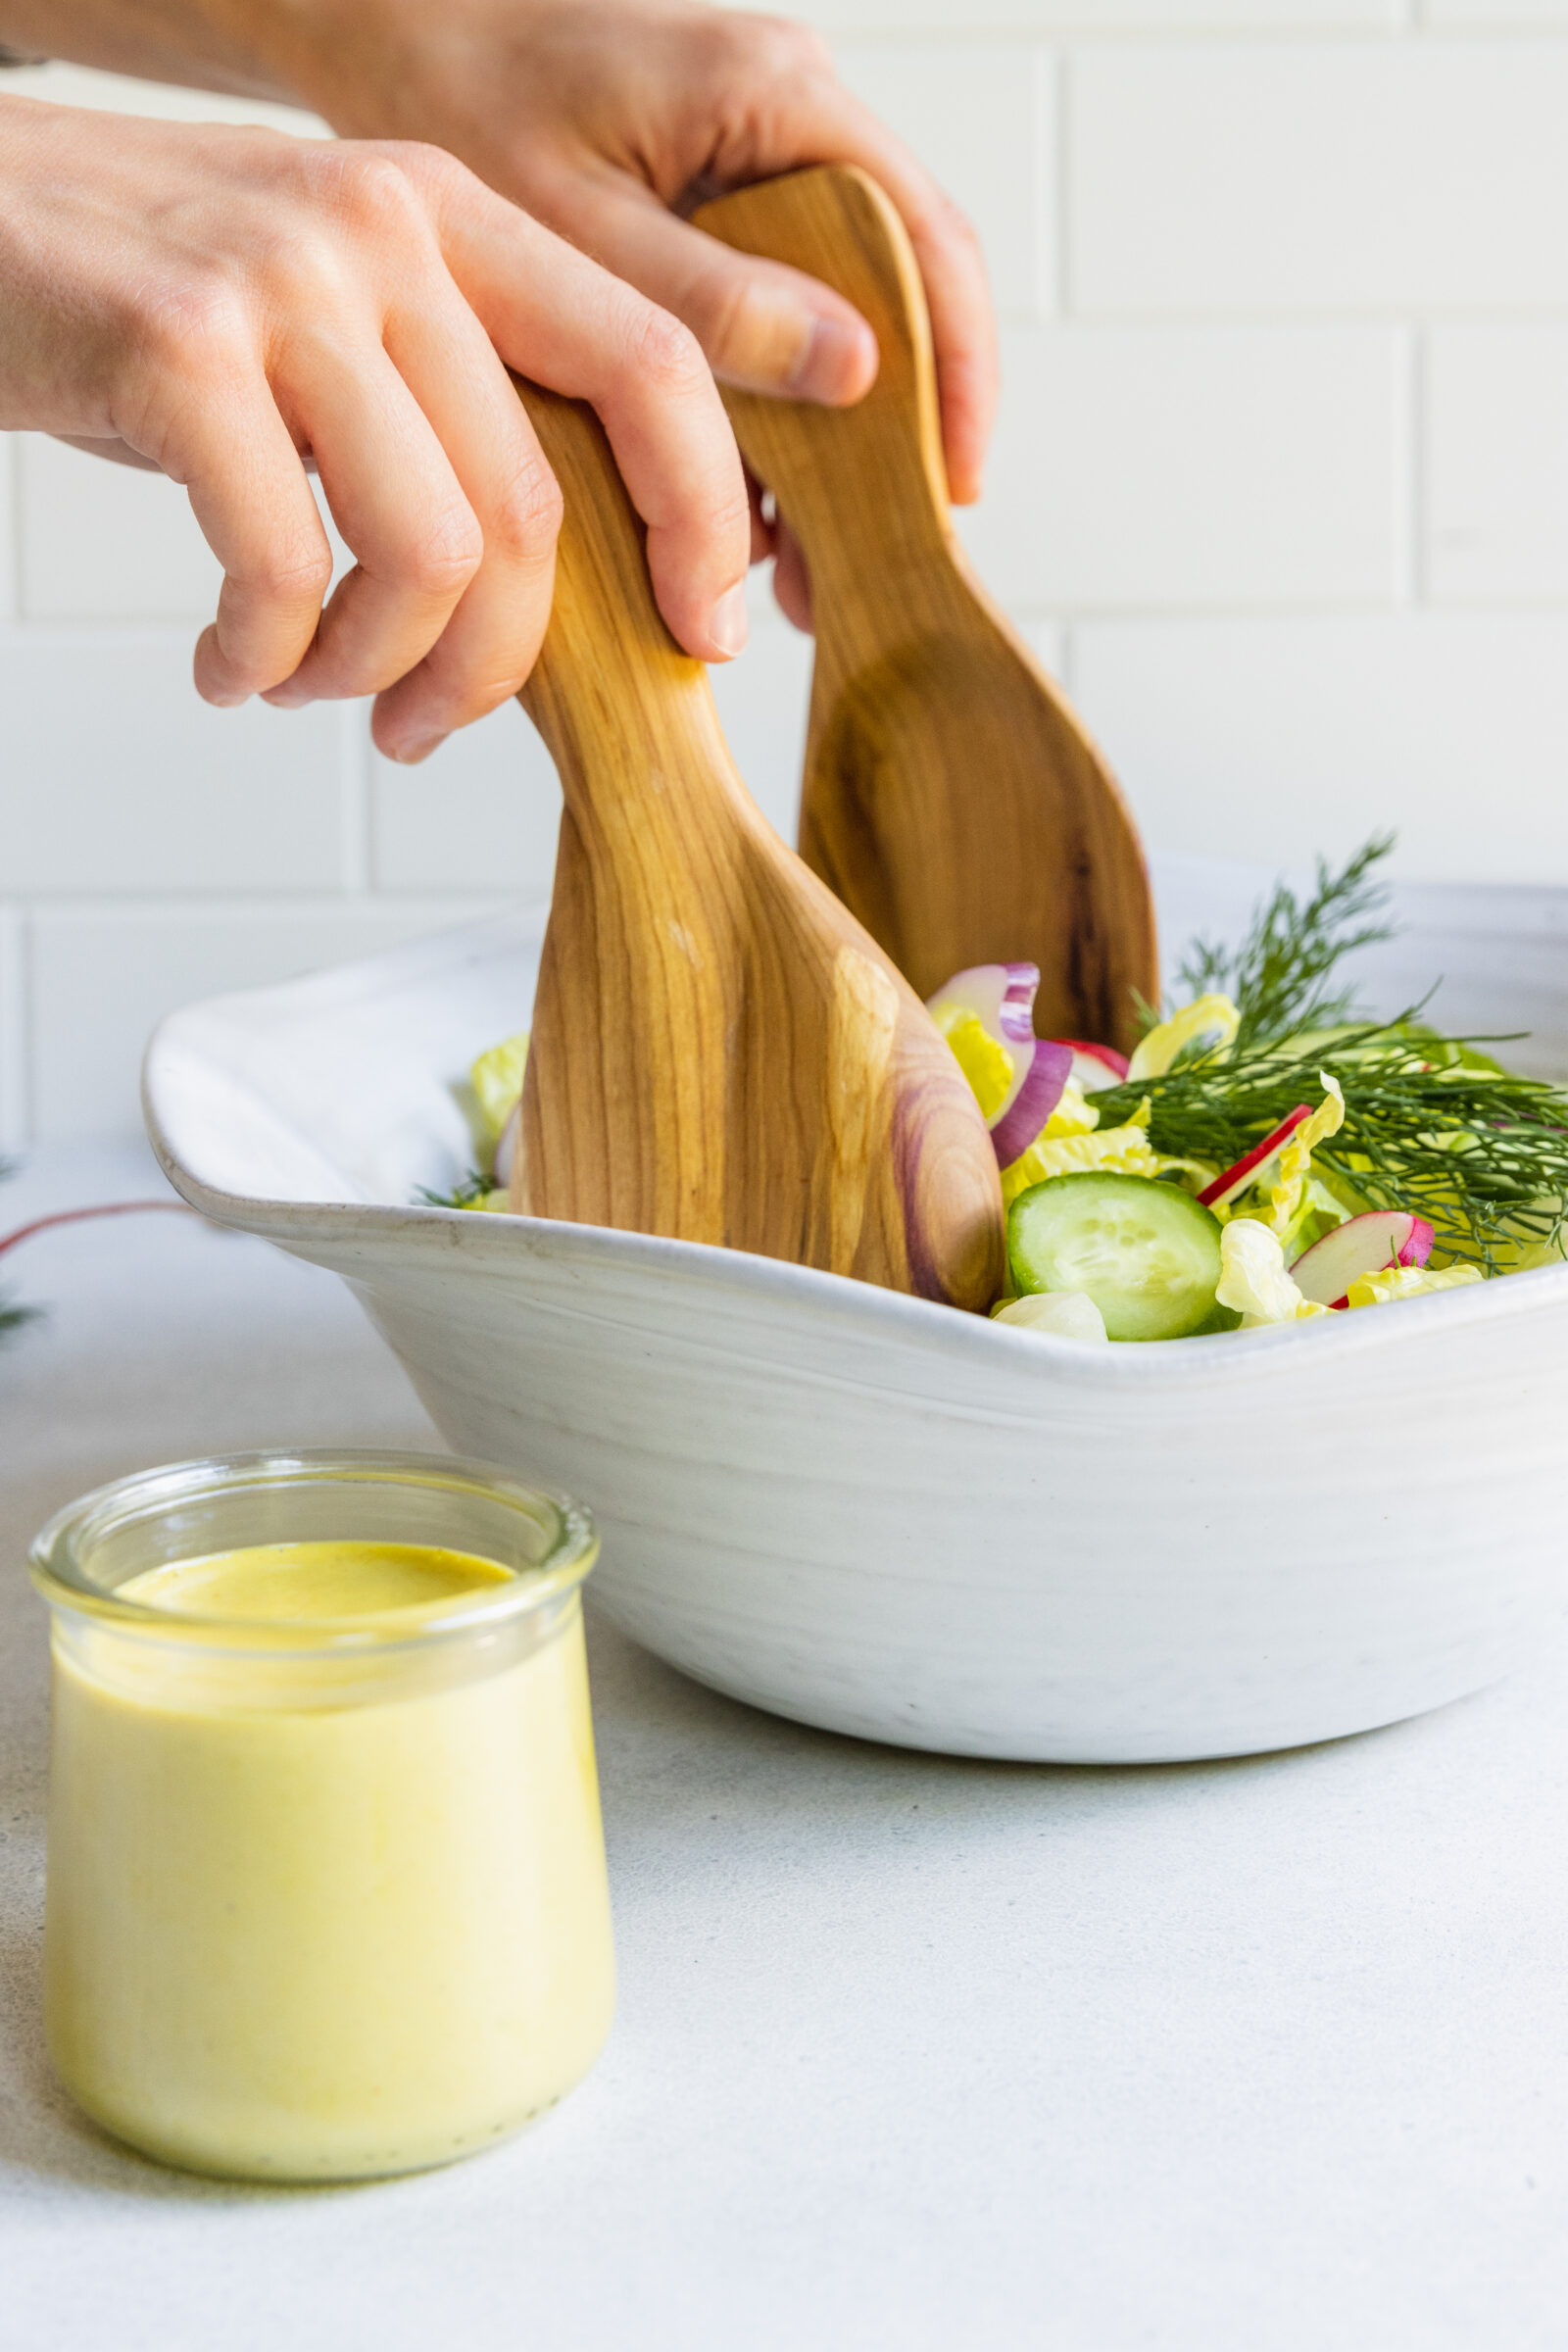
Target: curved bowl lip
[52, 1553]
[489, 1241]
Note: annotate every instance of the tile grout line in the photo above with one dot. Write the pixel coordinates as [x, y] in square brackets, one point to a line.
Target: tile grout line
[1412, 415]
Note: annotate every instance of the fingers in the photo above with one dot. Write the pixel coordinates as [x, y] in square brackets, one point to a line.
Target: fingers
[815, 119]
[437, 483]
[490, 643]
[249, 493]
[558, 318]
[763, 327]
[772, 330]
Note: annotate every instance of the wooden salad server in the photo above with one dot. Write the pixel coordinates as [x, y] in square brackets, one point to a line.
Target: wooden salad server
[951, 798]
[719, 1052]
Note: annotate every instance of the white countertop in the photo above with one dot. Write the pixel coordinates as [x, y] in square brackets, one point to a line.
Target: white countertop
[1257, 2057]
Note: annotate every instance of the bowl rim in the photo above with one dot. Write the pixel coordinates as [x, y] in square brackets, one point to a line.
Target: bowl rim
[491, 1240]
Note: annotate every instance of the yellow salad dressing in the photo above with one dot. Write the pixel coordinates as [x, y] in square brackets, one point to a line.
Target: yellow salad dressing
[321, 1912]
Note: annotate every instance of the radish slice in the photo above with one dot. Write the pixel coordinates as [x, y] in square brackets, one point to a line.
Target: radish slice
[1366, 1245]
[507, 1145]
[1236, 1179]
[1094, 1067]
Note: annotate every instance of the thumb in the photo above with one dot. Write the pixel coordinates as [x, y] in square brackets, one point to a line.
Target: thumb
[763, 327]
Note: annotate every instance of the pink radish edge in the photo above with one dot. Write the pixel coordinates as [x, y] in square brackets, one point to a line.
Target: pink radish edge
[1234, 1179]
[1094, 1067]
[1372, 1243]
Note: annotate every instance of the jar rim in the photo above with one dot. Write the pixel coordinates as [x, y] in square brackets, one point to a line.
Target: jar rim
[59, 1552]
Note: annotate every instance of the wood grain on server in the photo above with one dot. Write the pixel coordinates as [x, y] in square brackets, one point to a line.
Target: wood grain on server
[721, 1052]
[951, 798]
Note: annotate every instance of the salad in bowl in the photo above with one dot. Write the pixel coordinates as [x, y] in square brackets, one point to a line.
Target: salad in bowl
[1267, 1156]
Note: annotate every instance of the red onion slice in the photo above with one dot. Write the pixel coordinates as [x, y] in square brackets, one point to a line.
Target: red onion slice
[1014, 1129]
[1000, 997]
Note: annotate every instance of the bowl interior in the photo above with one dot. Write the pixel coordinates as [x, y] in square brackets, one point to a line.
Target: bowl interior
[350, 1086]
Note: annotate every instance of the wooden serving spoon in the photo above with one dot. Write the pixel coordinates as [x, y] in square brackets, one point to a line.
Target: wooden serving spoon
[951, 798]
[719, 1052]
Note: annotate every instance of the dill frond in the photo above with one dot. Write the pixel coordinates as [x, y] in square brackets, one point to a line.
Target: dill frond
[1430, 1125]
[1279, 976]
[472, 1189]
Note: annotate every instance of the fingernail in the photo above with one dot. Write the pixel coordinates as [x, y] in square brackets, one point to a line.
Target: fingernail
[288, 697]
[833, 362]
[730, 626]
[418, 748]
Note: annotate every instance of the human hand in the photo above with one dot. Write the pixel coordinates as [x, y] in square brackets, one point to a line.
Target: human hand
[231, 305]
[610, 119]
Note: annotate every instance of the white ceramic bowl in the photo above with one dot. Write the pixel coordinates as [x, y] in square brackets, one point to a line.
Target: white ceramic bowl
[877, 1514]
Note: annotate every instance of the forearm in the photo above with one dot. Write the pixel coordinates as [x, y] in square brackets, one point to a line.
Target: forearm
[252, 48]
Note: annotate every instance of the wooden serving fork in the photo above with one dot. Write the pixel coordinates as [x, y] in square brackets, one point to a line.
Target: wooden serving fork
[719, 1050]
[951, 798]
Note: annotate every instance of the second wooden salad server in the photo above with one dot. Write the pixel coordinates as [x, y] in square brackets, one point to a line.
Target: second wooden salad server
[951, 798]
[719, 1052]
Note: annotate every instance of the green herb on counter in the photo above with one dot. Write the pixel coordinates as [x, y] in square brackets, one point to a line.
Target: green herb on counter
[12, 1315]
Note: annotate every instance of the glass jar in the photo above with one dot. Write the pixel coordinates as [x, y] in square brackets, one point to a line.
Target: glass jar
[327, 1898]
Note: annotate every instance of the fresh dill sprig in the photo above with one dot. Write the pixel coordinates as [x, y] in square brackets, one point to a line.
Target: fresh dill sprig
[13, 1317]
[468, 1193]
[1481, 1154]
[1279, 976]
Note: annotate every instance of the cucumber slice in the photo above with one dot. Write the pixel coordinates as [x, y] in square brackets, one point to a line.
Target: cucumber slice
[1146, 1253]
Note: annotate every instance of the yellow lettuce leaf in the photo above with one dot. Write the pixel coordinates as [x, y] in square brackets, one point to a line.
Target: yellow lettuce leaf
[497, 1082]
[1254, 1280]
[1213, 1019]
[1408, 1282]
[1288, 1194]
[983, 1058]
[1111, 1150]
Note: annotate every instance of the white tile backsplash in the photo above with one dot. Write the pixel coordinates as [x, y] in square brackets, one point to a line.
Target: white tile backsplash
[102, 541]
[480, 813]
[1279, 491]
[1194, 466]
[1272, 740]
[983, 122]
[115, 777]
[7, 525]
[970, 20]
[16, 1052]
[1496, 463]
[103, 977]
[1339, 176]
